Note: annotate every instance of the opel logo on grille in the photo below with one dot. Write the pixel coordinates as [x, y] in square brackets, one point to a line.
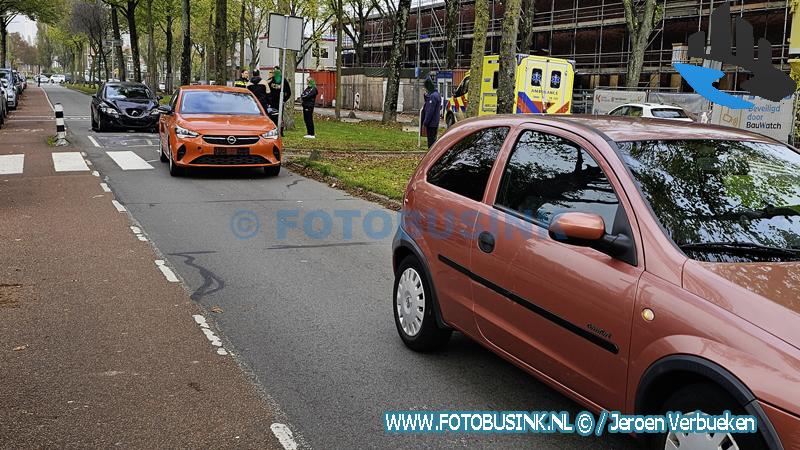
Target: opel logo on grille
[231, 140]
[135, 112]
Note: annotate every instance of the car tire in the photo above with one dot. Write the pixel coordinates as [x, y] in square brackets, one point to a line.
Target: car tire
[161, 156]
[412, 303]
[101, 127]
[94, 122]
[272, 171]
[174, 169]
[710, 399]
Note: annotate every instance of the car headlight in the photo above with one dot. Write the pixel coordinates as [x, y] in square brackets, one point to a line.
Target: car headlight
[271, 134]
[184, 133]
[109, 110]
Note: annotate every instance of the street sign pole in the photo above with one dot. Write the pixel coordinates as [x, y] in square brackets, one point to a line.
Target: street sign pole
[283, 74]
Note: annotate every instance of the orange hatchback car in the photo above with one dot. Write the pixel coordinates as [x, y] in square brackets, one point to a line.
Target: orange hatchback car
[635, 265]
[217, 126]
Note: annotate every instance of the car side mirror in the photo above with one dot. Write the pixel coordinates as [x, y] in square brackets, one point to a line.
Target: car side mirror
[588, 230]
[165, 109]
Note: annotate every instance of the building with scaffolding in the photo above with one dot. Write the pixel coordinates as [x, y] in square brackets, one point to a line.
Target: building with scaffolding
[592, 33]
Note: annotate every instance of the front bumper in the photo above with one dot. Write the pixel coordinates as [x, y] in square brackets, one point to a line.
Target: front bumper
[145, 121]
[195, 152]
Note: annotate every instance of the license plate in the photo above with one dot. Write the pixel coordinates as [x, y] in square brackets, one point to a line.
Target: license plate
[225, 151]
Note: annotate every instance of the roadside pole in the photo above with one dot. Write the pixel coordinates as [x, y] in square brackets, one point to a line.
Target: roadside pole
[286, 32]
[283, 80]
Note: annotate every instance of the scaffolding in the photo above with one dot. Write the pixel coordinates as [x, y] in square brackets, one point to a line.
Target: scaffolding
[592, 33]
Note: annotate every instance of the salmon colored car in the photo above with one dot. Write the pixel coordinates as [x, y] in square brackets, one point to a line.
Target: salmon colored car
[635, 265]
[217, 126]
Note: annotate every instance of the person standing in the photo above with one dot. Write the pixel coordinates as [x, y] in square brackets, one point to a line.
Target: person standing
[259, 88]
[431, 111]
[308, 98]
[242, 80]
[279, 90]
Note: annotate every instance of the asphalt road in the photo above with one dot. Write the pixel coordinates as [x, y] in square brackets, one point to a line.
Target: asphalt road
[309, 315]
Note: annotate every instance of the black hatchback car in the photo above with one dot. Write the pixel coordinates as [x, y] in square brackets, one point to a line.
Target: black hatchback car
[124, 105]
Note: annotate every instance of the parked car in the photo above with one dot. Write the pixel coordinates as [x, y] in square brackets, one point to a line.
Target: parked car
[652, 110]
[41, 78]
[3, 102]
[641, 266]
[57, 78]
[17, 81]
[123, 105]
[11, 90]
[220, 126]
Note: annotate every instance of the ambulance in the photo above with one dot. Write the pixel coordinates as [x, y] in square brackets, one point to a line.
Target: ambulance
[543, 86]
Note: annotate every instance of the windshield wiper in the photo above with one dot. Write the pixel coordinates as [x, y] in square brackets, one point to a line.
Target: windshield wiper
[740, 247]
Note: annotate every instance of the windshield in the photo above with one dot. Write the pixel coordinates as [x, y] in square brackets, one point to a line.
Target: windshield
[126, 92]
[668, 113]
[720, 200]
[210, 102]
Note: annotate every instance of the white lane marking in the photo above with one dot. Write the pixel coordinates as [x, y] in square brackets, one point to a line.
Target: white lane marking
[127, 160]
[215, 341]
[48, 99]
[105, 187]
[10, 164]
[284, 435]
[138, 233]
[168, 273]
[69, 162]
[118, 205]
[94, 141]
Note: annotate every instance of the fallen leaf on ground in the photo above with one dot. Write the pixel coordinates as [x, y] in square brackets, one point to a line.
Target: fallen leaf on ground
[21, 347]
[216, 309]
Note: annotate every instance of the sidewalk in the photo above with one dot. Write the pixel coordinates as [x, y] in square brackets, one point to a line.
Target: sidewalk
[98, 348]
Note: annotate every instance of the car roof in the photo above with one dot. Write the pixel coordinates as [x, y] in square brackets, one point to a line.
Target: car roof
[651, 105]
[621, 129]
[118, 83]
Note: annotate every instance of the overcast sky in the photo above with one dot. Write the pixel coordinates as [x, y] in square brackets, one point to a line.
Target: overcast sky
[24, 26]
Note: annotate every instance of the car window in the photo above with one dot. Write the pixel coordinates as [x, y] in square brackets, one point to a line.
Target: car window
[634, 111]
[536, 77]
[547, 175]
[621, 111]
[465, 167]
[128, 92]
[668, 113]
[462, 88]
[494, 80]
[555, 79]
[219, 102]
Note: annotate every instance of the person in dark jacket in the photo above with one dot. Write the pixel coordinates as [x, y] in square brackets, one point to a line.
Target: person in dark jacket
[242, 80]
[259, 88]
[308, 98]
[431, 111]
[277, 86]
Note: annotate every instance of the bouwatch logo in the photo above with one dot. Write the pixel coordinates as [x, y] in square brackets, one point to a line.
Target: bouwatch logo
[767, 82]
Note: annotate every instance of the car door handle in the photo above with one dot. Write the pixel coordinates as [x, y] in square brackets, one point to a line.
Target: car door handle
[486, 242]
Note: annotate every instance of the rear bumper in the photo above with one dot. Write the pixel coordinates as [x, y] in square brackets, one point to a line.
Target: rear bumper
[194, 152]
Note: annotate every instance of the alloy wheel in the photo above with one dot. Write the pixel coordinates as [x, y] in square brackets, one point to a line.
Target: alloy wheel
[700, 441]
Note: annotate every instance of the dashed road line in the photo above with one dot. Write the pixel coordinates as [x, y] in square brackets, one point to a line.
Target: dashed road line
[128, 160]
[94, 141]
[168, 273]
[284, 435]
[69, 162]
[11, 164]
[138, 233]
[213, 338]
[118, 205]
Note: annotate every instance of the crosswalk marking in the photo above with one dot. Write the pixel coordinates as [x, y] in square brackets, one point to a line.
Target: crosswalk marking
[11, 164]
[128, 160]
[69, 162]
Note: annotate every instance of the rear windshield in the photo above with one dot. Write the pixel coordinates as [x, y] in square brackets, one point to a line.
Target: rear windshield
[126, 92]
[211, 102]
[668, 113]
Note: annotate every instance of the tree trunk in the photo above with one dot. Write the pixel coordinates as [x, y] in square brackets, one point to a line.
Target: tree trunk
[241, 39]
[186, 51]
[476, 61]
[3, 42]
[526, 27]
[451, 31]
[168, 51]
[640, 27]
[152, 65]
[396, 61]
[130, 15]
[118, 56]
[506, 76]
[220, 42]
